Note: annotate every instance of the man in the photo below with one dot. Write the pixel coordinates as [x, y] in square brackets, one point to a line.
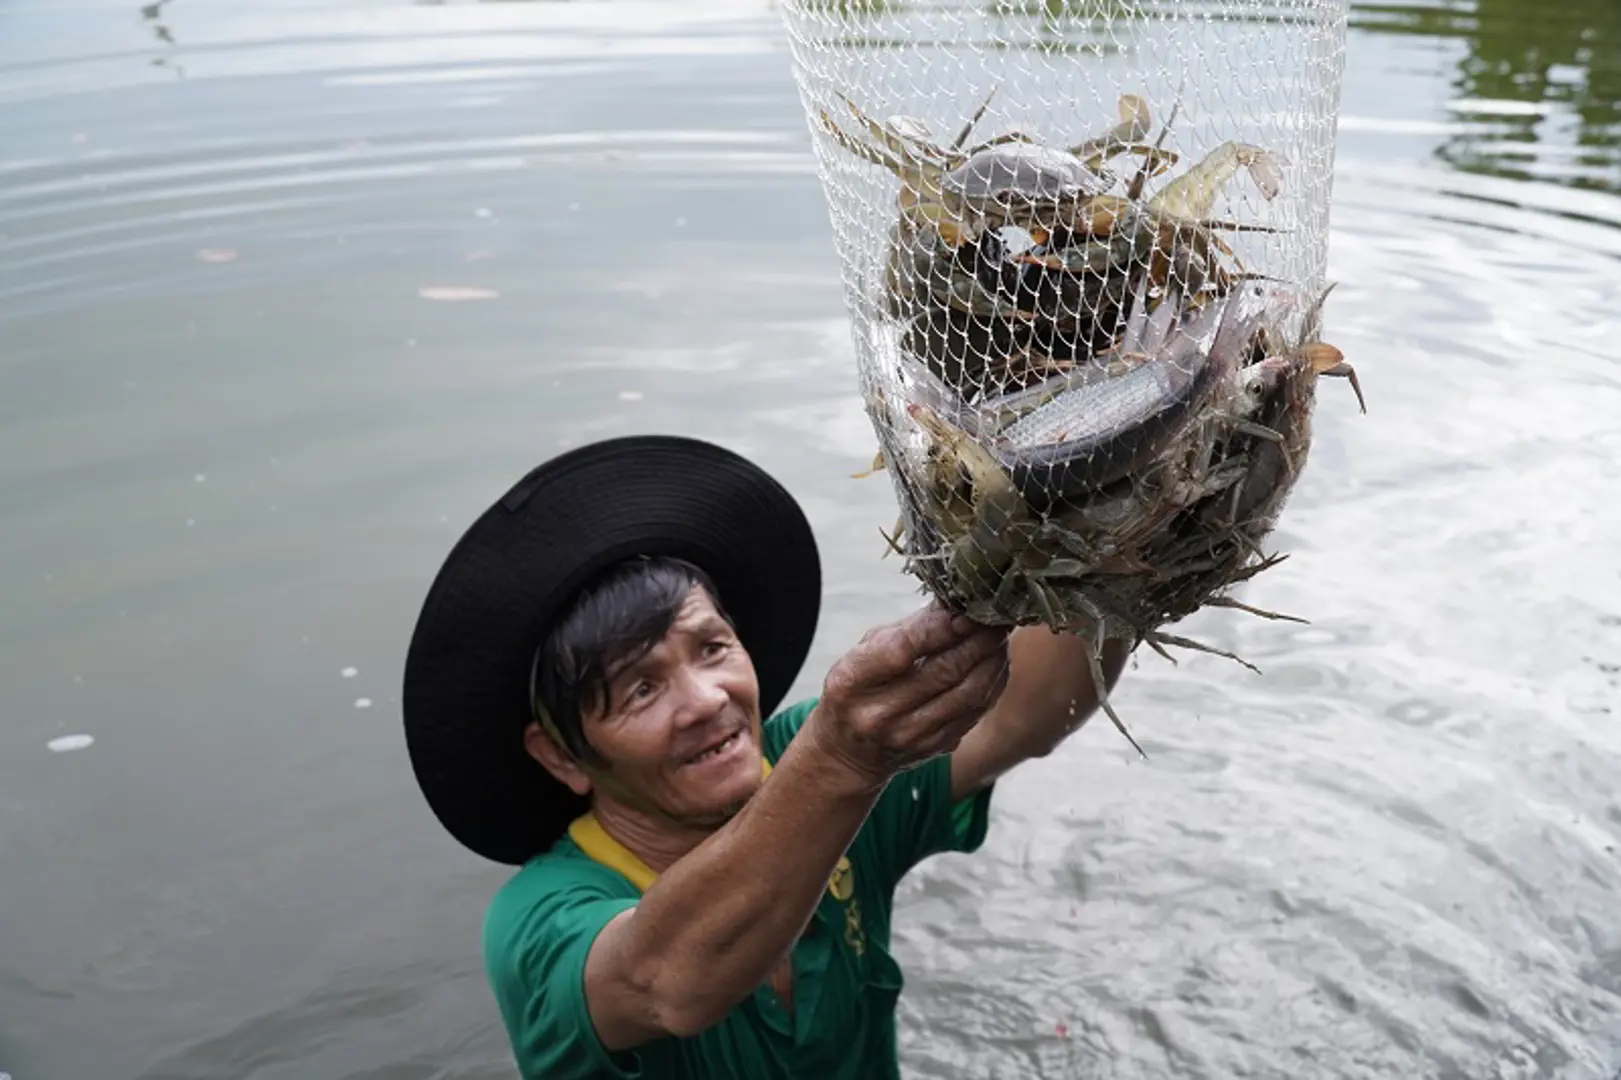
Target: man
[703, 892]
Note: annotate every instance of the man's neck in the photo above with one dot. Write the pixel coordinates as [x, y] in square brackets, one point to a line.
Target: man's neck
[657, 843]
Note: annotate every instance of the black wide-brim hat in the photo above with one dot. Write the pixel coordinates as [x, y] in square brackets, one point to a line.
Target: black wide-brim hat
[466, 694]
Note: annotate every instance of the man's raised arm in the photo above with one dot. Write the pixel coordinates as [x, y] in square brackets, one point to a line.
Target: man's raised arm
[709, 930]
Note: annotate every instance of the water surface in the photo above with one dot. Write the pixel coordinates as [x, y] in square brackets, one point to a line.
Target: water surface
[236, 441]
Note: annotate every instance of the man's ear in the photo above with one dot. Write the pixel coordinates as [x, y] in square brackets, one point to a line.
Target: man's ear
[544, 749]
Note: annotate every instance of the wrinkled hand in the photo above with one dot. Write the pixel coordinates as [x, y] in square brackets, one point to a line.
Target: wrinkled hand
[909, 691]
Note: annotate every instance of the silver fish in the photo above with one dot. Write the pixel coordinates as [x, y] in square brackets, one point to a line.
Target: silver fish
[1097, 432]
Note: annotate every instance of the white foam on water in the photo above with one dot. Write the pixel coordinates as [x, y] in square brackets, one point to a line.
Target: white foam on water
[62, 745]
[456, 293]
[363, 703]
[349, 672]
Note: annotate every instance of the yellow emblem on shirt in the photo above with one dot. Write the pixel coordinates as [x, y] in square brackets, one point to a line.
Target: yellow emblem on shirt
[841, 885]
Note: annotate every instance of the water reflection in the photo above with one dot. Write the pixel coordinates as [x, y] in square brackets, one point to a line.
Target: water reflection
[1536, 87]
[1540, 83]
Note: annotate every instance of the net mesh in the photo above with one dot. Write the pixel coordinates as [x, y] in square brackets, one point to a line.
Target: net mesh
[1083, 247]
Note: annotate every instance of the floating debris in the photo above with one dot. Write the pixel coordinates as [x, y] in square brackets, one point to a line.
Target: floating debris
[455, 293]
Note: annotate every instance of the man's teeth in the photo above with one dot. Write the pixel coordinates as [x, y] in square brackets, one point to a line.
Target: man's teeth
[721, 749]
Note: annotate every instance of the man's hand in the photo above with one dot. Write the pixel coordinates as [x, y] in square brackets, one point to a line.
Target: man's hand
[908, 692]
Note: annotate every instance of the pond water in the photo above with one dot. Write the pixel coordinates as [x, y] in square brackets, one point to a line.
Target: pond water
[290, 290]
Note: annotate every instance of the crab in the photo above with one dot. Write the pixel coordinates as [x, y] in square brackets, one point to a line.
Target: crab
[1009, 178]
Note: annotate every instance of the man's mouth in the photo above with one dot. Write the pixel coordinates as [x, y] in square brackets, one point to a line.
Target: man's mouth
[716, 750]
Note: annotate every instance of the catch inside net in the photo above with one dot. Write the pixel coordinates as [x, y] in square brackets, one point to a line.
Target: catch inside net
[1083, 247]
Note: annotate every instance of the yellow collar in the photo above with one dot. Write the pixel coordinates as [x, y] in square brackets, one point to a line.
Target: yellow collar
[593, 839]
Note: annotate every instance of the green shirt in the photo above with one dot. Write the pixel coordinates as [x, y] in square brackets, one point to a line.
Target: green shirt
[541, 923]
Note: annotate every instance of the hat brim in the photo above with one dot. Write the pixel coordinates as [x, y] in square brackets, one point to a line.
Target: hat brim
[466, 686]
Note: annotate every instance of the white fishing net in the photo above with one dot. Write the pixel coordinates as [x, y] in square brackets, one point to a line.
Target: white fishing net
[1083, 247]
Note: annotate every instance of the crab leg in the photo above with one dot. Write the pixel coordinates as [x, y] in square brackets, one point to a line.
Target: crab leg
[1189, 643]
[892, 541]
[1312, 325]
[1134, 189]
[1094, 658]
[1344, 370]
[1153, 643]
[1136, 121]
[1250, 571]
[907, 147]
[860, 149]
[1229, 602]
[1043, 598]
[962, 136]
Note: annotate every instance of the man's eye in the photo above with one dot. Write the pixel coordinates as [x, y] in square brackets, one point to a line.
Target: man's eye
[714, 648]
[640, 691]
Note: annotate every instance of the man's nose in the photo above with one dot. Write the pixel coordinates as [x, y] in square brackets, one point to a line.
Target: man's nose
[704, 695]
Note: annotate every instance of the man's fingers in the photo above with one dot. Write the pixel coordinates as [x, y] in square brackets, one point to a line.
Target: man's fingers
[983, 684]
[895, 650]
[975, 698]
[935, 675]
[964, 702]
[933, 630]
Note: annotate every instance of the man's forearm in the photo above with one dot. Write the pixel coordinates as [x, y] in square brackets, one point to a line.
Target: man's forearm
[1050, 693]
[711, 928]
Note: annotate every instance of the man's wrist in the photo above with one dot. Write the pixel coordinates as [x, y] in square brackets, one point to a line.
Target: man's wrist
[842, 772]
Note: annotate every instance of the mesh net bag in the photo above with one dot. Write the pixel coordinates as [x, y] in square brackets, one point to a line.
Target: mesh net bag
[1083, 247]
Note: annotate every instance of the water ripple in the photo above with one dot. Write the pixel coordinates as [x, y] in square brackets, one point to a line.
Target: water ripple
[236, 441]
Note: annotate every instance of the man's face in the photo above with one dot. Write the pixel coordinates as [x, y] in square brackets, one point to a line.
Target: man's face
[681, 728]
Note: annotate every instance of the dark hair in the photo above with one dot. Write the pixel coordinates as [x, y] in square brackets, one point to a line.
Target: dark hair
[612, 621]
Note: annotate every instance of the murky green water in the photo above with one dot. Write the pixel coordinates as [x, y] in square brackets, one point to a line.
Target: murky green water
[236, 441]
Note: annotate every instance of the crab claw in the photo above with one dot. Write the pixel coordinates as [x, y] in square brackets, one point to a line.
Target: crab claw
[1325, 359]
[1136, 121]
[1322, 357]
[876, 466]
[1266, 169]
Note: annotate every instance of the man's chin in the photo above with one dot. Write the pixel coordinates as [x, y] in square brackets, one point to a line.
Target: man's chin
[737, 794]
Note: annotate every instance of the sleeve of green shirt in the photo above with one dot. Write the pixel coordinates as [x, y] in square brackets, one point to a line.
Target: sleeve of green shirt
[915, 817]
[536, 941]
